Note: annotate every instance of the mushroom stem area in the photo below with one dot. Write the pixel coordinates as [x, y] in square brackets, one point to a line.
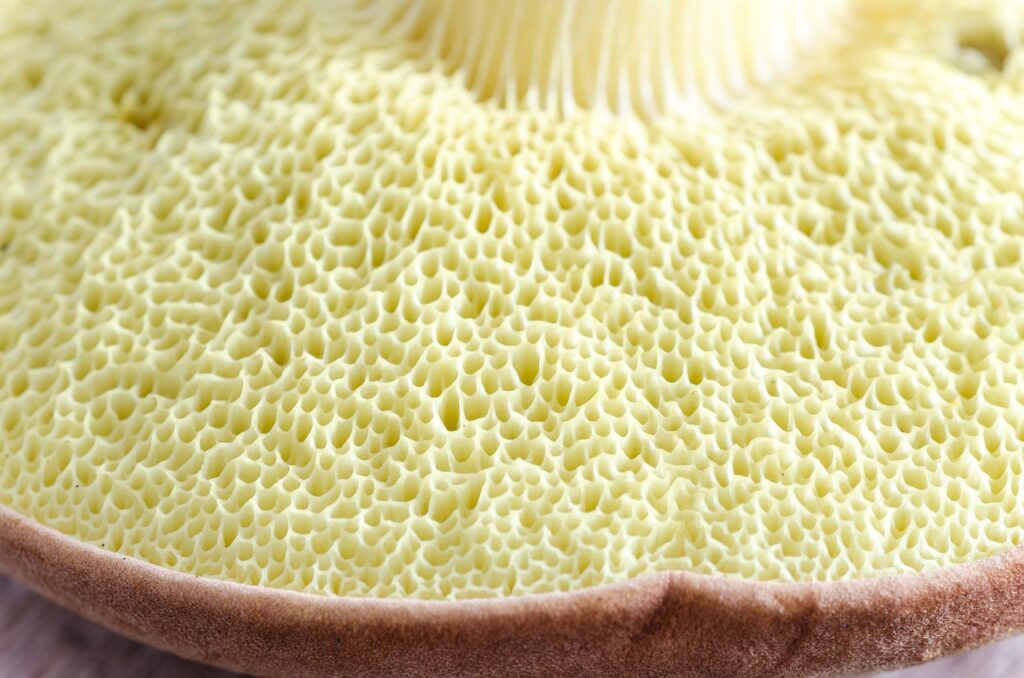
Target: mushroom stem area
[644, 57]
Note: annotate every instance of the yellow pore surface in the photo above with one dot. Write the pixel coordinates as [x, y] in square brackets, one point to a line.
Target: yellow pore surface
[285, 304]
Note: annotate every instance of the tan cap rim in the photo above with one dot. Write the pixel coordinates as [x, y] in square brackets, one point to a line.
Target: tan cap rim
[665, 624]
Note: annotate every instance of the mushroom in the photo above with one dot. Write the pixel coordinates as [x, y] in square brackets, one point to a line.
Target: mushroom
[517, 337]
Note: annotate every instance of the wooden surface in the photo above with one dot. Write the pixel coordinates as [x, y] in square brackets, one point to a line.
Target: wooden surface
[39, 639]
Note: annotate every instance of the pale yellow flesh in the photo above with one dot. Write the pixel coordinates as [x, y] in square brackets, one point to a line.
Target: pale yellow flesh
[285, 304]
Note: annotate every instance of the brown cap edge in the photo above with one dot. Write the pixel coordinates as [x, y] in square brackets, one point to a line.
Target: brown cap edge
[677, 623]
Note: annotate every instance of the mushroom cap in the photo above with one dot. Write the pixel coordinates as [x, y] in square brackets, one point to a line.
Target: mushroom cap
[207, 446]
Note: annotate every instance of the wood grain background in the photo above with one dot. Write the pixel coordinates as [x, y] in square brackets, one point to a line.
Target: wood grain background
[40, 640]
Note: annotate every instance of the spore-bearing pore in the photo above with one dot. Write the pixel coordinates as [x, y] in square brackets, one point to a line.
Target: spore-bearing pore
[284, 301]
